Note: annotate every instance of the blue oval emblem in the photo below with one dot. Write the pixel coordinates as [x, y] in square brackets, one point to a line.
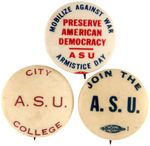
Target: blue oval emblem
[112, 128]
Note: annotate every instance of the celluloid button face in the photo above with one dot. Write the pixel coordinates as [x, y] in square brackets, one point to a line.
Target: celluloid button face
[113, 104]
[80, 37]
[37, 101]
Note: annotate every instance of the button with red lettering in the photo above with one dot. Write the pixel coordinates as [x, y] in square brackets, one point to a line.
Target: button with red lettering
[80, 37]
[113, 104]
[37, 101]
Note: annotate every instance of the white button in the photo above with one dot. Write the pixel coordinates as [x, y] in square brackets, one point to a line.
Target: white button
[113, 104]
[80, 37]
[37, 101]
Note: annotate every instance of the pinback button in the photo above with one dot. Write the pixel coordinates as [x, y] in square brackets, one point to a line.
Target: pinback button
[80, 37]
[37, 101]
[113, 104]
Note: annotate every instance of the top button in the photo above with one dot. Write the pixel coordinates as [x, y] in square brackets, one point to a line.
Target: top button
[80, 37]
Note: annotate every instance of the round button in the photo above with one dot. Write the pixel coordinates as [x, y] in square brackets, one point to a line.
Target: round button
[37, 101]
[80, 37]
[113, 104]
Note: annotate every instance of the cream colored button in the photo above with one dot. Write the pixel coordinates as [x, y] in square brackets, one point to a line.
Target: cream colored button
[37, 101]
[80, 37]
[113, 104]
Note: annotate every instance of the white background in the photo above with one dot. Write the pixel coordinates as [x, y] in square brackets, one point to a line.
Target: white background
[22, 27]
